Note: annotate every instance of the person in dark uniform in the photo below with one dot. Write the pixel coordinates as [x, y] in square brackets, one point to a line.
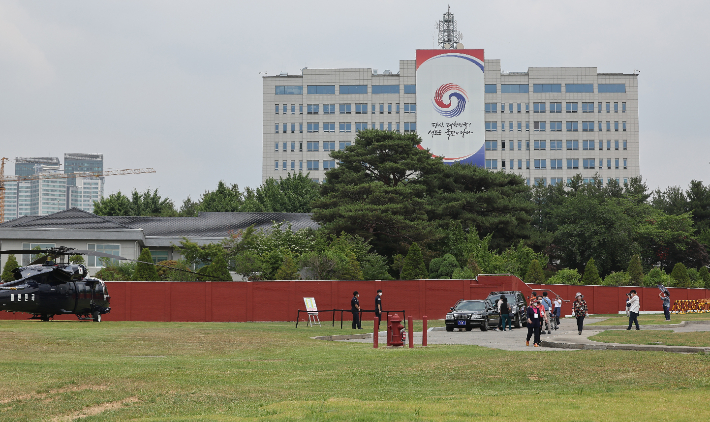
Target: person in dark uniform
[378, 308]
[355, 309]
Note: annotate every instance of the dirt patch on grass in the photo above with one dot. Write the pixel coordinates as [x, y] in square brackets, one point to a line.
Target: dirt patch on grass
[95, 410]
[41, 396]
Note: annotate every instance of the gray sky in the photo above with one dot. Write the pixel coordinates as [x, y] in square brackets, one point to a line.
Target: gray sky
[175, 85]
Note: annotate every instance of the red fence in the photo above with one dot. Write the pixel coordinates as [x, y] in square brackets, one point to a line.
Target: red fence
[279, 300]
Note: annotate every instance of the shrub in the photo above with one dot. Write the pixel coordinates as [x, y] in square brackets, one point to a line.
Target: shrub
[620, 278]
[145, 270]
[10, 265]
[413, 267]
[374, 267]
[705, 276]
[443, 267]
[591, 274]
[635, 271]
[657, 276]
[680, 275]
[535, 275]
[570, 277]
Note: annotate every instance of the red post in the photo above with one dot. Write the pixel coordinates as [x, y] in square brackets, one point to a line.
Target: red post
[375, 334]
[424, 330]
[410, 323]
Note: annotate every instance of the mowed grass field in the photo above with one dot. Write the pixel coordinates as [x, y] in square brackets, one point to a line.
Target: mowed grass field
[274, 372]
[652, 319]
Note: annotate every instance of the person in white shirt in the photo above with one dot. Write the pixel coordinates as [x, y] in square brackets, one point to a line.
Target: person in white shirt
[558, 309]
[634, 307]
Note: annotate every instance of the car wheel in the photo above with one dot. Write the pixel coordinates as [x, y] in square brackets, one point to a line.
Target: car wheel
[484, 325]
[449, 328]
[517, 322]
[97, 316]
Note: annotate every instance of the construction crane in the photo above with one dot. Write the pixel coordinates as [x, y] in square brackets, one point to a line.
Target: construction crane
[42, 176]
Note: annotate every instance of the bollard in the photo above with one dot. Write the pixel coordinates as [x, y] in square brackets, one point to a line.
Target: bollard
[375, 335]
[424, 330]
[410, 322]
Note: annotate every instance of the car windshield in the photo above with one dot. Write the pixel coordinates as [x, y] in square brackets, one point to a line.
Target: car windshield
[511, 298]
[471, 305]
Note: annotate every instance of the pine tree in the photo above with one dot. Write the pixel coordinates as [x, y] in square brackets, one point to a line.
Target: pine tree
[10, 265]
[145, 270]
[535, 274]
[473, 266]
[635, 271]
[705, 276]
[288, 270]
[218, 269]
[680, 275]
[591, 274]
[413, 267]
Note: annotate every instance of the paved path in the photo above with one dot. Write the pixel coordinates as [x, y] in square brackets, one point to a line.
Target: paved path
[566, 338]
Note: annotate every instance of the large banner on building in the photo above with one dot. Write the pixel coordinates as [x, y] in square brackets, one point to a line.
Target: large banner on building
[450, 104]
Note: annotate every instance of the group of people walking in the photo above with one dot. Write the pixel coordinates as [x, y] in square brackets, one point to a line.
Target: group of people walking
[542, 315]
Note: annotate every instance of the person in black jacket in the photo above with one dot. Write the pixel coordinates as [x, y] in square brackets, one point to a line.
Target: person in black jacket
[534, 319]
[355, 309]
[378, 308]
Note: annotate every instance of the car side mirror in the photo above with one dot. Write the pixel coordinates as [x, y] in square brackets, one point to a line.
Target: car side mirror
[451, 308]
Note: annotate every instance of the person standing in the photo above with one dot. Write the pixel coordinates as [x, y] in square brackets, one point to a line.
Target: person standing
[355, 309]
[580, 311]
[666, 298]
[547, 304]
[378, 308]
[558, 310]
[534, 319]
[505, 313]
[541, 308]
[634, 307]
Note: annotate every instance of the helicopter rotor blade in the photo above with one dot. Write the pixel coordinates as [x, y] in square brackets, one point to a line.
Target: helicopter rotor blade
[177, 269]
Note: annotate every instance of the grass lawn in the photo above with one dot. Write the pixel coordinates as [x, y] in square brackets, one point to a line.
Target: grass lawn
[668, 338]
[652, 319]
[273, 372]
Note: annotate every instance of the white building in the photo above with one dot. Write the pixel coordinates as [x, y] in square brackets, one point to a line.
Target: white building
[546, 124]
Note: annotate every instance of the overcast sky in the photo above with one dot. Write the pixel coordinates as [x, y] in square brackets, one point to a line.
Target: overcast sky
[175, 85]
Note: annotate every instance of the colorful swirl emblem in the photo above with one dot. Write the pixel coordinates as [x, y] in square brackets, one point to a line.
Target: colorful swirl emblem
[445, 109]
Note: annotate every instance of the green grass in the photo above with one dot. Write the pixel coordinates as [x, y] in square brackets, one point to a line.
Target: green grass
[665, 337]
[653, 319]
[273, 372]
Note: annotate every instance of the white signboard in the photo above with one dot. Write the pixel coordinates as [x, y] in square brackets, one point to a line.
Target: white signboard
[450, 104]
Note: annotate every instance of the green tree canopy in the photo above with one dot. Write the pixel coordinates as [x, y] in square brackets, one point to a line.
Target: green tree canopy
[413, 267]
[680, 276]
[635, 271]
[591, 274]
[535, 275]
[10, 265]
[145, 270]
[139, 204]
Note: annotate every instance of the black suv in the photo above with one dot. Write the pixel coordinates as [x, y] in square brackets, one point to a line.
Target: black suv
[517, 301]
[467, 314]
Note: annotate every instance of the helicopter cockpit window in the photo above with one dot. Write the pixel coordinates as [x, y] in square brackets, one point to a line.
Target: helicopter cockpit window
[28, 258]
[112, 249]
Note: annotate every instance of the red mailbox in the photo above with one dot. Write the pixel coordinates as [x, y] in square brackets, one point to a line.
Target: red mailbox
[395, 332]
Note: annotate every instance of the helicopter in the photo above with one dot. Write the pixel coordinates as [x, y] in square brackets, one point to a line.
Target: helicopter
[47, 287]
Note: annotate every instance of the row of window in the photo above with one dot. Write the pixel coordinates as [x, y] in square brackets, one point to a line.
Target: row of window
[343, 127]
[541, 126]
[557, 163]
[360, 108]
[311, 146]
[587, 145]
[311, 165]
[343, 89]
[558, 180]
[555, 88]
[555, 107]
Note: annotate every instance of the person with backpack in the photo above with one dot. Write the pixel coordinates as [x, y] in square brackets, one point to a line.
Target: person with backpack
[534, 320]
[505, 309]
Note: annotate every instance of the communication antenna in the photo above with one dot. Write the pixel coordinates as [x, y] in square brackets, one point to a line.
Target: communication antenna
[449, 37]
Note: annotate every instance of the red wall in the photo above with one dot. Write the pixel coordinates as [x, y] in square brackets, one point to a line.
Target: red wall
[280, 300]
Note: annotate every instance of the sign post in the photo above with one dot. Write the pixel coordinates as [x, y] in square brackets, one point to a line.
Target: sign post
[312, 310]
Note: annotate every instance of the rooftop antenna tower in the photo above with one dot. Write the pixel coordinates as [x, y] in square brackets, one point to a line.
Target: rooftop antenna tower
[449, 37]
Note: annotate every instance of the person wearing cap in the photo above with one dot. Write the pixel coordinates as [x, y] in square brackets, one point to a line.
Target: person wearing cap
[378, 308]
[580, 311]
[634, 307]
[355, 309]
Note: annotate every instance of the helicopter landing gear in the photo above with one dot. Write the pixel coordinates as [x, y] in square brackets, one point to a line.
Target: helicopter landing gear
[45, 317]
[97, 316]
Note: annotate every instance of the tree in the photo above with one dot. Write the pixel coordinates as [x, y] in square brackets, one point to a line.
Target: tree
[288, 270]
[189, 208]
[140, 204]
[374, 267]
[617, 279]
[217, 270]
[174, 271]
[77, 259]
[443, 267]
[591, 275]
[145, 270]
[295, 193]
[570, 277]
[705, 276]
[535, 275]
[413, 267]
[116, 204]
[679, 275]
[223, 199]
[635, 271]
[10, 265]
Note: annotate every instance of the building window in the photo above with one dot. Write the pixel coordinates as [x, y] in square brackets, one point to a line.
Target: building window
[312, 165]
[527, 164]
[555, 145]
[527, 107]
[502, 146]
[385, 89]
[397, 108]
[600, 126]
[345, 127]
[410, 108]
[572, 163]
[328, 145]
[300, 165]
[555, 126]
[527, 126]
[289, 90]
[328, 164]
[616, 107]
[616, 145]
[520, 145]
[540, 164]
[491, 126]
[608, 107]
[587, 107]
[293, 108]
[538, 107]
[382, 108]
[343, 144]
[502, 107]
[527, 145]
[361, 108]
[556, 164]
[276, 128]
[360, 126]
[599, 110]
[329, 127]
[410, 127]
[93, 261]
[520, 126]
[328, 109]
[352, 89]
[571, 107]
[276, 146]
[579, 88]
[520, 164]
[540, 181]
[555, 181]
[491, 89]
[624, 163]
[389, 125]
[510, 126]
[588, 163]
[514, 88]
[510, 107]
[555, 107]
[587, 126]
[616, 163]
[538, 88]
[389, 108]
[285, 127]
[300, 128]
[382, 126]
[608, 126]
[608, 163]
[572, 145]
[277, 108]
[293, 146]
[312, 108]
[539, 145]
[312, 146]
[276, 165]
[293, 128]
[283, 166]
[312, 127]
[623, 107]
[616, 126]
[300, 109]
[345, 108]
[491, 107]
[321, 89]
[293, 165]
[492, 164]
[285, 144]
[624, 144]
[572, 126]
[410, 89]
[491, 145]
[520, 107]
[612, 88]
[623, 126]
